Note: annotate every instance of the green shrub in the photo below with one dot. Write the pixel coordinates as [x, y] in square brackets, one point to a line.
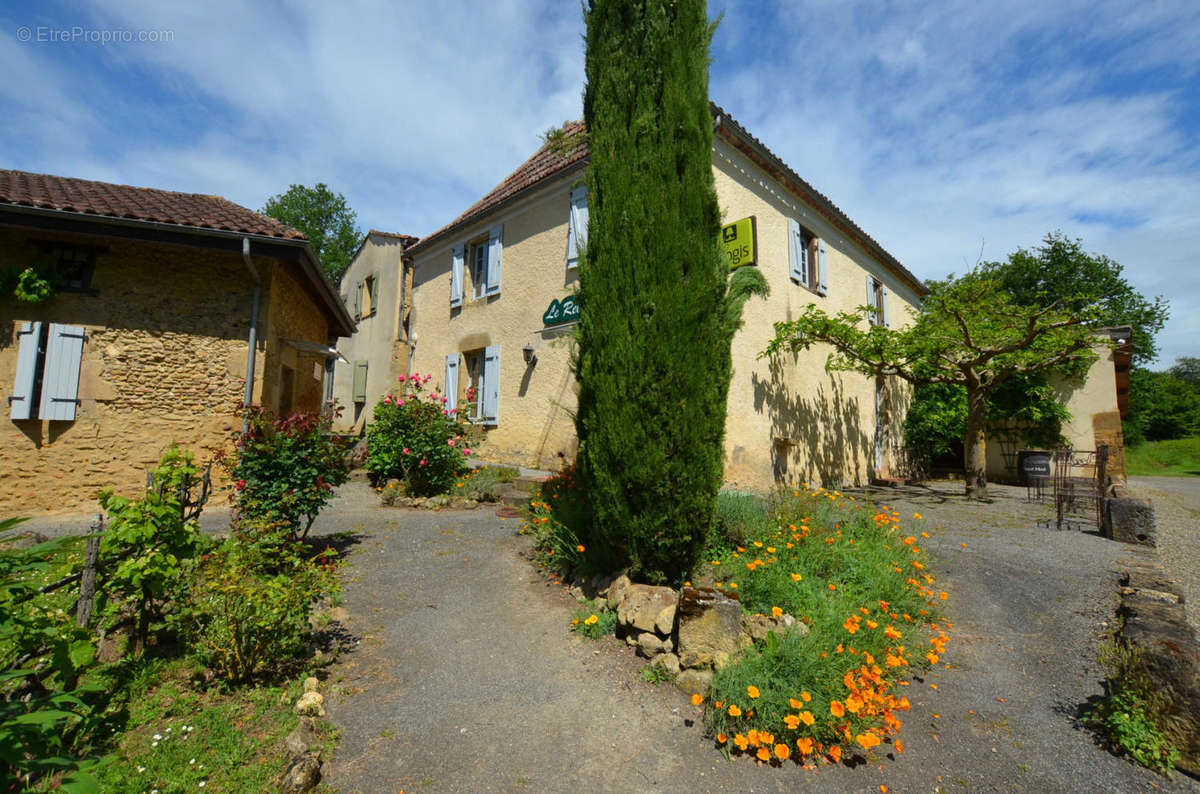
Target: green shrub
[248, 605]
[559, 506]
[149, 539]
[415, 438]
[47, 717]
[285, 470]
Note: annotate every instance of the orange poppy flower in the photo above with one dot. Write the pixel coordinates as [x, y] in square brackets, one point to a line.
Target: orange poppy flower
[782, 752]
[581, 548]
[805, 696]
[722, 738]
[899, 746]
[835, 753]
[796, 577]
[794, 703]
[854, 704]
[891, 633]
[752, 737]
[837, 709]
[792, 721]
[697, 699]
[734, 711]
[807, 718]
[764, 754]
[741, 741]
[776, 612]
[943, 595]
[805, 746]
[752, 691]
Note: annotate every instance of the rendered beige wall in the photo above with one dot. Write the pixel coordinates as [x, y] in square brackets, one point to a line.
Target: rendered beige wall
[1095, 418]
[378, 337]
[788, 419]
[164, 360]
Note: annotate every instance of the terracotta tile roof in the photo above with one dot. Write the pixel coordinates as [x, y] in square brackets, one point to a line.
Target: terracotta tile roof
[405, 239]
[137, 203]
[550, 159]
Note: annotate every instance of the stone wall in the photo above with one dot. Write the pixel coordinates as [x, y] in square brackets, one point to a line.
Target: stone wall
[164, 360]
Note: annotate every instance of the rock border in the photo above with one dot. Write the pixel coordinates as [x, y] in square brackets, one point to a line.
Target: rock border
[1154, 624]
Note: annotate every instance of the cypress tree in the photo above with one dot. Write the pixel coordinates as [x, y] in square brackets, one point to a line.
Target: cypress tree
[653, 361]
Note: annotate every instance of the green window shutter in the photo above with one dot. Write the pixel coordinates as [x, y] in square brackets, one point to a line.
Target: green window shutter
[60, 375]
[358, 296]
[490, 398]
[375, 294]
[360, 381]
[883, 299]
[495, 250]
[451, 390]
[456, 277]
[21, 402]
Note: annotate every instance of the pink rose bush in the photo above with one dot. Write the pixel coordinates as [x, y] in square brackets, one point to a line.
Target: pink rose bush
[415, 438]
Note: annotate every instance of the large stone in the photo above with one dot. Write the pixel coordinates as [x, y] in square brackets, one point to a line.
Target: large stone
[302, 775]
[617, 590]
[667, 661]
[1130, 520]
[665, 622]
[303, 738]
[311, 704]
[709, 624]
[650, 644]
[694, 682]
[642, 604]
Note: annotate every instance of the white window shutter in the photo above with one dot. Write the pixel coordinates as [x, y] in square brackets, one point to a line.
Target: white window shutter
[577, 228]
[21, 401]
[796, 253]
[884, 300]
[872, 314]
[495, 249]
[456, 277]
[451, 390]
[822, 273]
[490, 399]
[60, 376]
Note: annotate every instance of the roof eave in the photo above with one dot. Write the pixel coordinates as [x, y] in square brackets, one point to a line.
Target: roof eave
[309, 263]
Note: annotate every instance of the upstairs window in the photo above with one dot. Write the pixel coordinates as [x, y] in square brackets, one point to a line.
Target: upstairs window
[877, 299]
[484, 259]
[74, 267]
[577, 225]
[806, 254]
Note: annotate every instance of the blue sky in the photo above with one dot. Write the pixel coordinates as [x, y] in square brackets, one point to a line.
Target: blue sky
[942, 128]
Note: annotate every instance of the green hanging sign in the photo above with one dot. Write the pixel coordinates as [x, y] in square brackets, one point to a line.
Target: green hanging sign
[739, 242]
[561, 311]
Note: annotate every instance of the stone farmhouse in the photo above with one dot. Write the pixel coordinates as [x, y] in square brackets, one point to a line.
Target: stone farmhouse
[172, 311]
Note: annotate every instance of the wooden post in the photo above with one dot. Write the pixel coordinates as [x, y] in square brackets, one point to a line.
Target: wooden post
[87, 581]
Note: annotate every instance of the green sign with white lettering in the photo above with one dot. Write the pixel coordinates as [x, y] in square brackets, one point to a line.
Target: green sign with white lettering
[740, 243]
[561, 311]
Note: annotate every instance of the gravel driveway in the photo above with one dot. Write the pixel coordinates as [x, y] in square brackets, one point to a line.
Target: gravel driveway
[465, 677]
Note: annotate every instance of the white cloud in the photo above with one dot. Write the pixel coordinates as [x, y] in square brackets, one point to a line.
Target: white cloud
[935, 125]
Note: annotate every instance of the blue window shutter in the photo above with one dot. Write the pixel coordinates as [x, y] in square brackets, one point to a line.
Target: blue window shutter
[495, 249]
[822, 274]
[456, 277]
[21, 402]
[60, 375]
[884, 300]
[577, 228]
[451, 390]
[490, 399]
[795, 252]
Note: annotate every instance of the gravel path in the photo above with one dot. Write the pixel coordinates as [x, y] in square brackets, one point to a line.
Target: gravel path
[1177, 515]
[465, 678]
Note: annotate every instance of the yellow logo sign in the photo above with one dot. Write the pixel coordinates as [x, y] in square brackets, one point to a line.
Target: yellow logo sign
[739, 241]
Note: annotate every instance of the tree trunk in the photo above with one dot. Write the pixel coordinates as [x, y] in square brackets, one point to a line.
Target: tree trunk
[975, 447]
